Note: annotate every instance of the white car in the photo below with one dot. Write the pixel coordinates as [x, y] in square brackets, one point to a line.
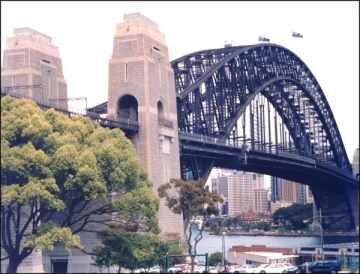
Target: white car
[155, 269]
[175, 269]
[246, 268]
[259, 269]
[276, 268]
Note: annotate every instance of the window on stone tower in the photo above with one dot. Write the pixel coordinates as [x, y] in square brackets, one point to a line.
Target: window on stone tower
[128, 108]
[160, 109]
[126, 72]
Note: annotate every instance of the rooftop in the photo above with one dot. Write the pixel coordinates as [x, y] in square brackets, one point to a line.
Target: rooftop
[26, 37]
[137, 23]
[26, 31]
[272, 255]
[261, 248]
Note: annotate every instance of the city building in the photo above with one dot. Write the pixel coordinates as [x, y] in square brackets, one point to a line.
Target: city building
[260, 254]
[220, 186]
[289, 191]
[32, 68]
[261, 203]
[284, 190]
[276, 189]
[243, 192]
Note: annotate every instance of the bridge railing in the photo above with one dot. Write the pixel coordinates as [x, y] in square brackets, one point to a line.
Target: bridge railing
[248, 145]
[122, 123]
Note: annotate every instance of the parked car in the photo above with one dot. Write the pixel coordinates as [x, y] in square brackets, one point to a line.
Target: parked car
[276, 268]
[246, 268]
[175, 269]
[320, 267]
[155, 269]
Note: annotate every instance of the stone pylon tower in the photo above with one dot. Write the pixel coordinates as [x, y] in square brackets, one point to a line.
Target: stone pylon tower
[141, 88]
[32, 68]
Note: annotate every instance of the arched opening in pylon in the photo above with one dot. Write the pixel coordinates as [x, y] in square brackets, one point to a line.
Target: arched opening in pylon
[127, 108]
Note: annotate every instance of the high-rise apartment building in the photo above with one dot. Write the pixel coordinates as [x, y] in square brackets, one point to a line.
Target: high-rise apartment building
[288, 191]
[32, 68]
[243, 192]
[261, 203]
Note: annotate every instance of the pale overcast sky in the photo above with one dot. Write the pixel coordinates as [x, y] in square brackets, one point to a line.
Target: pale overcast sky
[84, 31]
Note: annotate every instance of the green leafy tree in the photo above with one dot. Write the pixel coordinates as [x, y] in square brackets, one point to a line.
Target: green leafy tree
[130, 249]
[191, 199]
[59, 175]
[176, 253]
[295, 217]
[215, 259]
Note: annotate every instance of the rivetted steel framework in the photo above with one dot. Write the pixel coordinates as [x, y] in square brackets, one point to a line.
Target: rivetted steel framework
[259, 108]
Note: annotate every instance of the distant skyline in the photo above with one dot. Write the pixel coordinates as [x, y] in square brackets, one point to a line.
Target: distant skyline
[84, 32]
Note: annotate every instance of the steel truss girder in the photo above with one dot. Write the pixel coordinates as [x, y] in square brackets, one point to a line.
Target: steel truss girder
[213, 85]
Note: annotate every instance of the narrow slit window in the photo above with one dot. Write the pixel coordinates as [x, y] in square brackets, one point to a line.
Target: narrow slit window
[125, 72]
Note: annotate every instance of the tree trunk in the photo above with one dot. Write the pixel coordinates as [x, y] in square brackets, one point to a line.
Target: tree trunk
[13, 265]
[192, 263]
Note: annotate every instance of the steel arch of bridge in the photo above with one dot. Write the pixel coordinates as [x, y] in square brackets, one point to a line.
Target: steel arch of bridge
[215, 86]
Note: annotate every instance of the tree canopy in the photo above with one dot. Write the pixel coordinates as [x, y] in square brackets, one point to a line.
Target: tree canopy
[60, 174]
[295, 217]
[130, 250]
[215, 259]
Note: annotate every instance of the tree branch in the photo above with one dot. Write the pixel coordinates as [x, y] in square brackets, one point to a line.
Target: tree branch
[30, 219]
[5, 244]
[8, 229]
[189, 239]
[99, 211]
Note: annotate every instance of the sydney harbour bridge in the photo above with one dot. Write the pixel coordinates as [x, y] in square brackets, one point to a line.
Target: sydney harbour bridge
[258, 108]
